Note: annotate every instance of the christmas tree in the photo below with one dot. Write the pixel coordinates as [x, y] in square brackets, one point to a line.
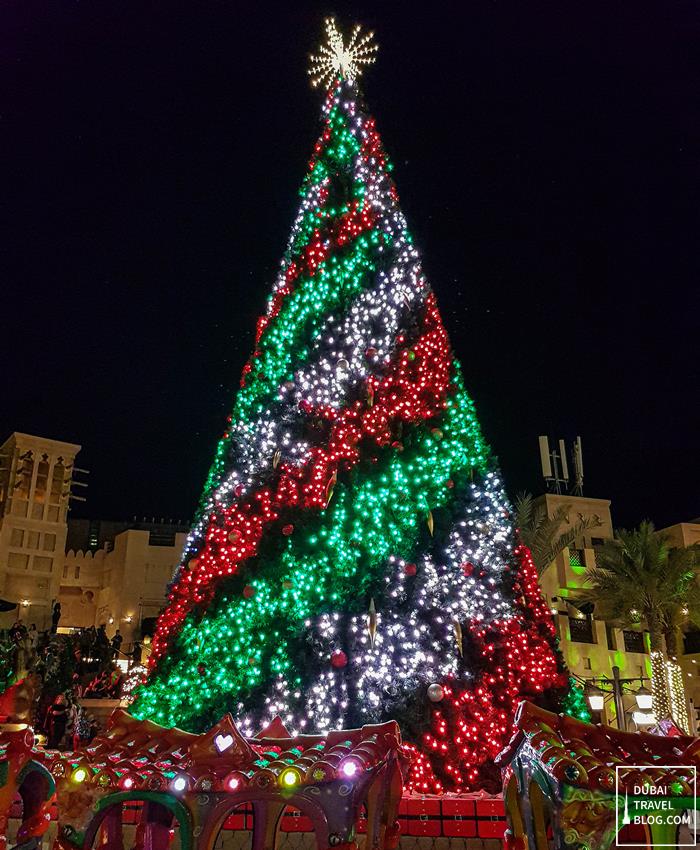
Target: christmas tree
[354, 557]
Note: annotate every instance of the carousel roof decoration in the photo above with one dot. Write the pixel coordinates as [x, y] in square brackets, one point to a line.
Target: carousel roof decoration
[141, 754]
[588, 783]
[585, 756]
[199, 776]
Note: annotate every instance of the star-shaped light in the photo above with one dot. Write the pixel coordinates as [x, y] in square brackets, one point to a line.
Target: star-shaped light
[335, 58]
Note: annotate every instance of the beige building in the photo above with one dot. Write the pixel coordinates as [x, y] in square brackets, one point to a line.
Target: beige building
[36, 475]
[122, 584]
[119, 574]
[683, 534]
[591, 647]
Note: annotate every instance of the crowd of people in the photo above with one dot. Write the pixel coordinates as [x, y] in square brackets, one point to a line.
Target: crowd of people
[65, 668]
[89, 645]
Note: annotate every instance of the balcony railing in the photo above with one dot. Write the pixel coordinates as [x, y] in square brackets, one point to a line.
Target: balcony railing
[634, 641]
[577, 558]
[581, 629]
[691, 643]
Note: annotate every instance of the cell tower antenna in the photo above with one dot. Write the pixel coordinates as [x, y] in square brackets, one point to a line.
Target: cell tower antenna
[555, 467]
[564, 464]
[550, 467]
[578, 467]
[544, 458]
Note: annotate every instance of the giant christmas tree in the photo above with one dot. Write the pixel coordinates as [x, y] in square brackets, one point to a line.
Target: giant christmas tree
[354, 557]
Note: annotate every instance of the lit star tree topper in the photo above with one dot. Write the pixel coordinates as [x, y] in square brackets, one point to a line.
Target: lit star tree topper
[335, 58]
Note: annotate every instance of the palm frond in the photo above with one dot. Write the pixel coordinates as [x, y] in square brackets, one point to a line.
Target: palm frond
[542, 533]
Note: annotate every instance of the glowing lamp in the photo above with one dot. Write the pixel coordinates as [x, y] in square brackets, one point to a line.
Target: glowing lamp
[595, 697]
[349, 768]
[79, 774]
[643, 718]
[127, 783]
[179, 783]
[290, 777]
[232, 783]
[644, 699]
[596, 701]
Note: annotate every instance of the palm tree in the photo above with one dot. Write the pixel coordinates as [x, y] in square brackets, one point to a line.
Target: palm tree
[542, 533]
[638, 578]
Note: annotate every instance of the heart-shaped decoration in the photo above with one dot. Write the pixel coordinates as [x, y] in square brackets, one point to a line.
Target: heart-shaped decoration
[223, 742]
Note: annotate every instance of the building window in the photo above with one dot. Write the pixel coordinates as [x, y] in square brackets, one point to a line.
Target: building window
[610, 635]
[49, 542]
[17, 537]
[76, 571]
[65, 571]
[587, 663]
[634, 641]
[42, 479]
[32, 540]
[52, 513]
[576, 558]
[42, 564]
[57, 483]
[691, 643]
[37, 510]
[161, 537]
[597, 541]
[17, 561]
[25, 470]
[19, 507]
[581, 629]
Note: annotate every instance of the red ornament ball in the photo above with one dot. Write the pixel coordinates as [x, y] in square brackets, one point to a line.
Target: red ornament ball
[410, 569]
[468, 568]
[248, 591]
[371, 352]
[450, 484]
[234, 536]
[287, 529]
[338, 659]
[201, 669]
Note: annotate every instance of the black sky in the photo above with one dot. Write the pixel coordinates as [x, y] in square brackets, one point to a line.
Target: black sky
[546, 158]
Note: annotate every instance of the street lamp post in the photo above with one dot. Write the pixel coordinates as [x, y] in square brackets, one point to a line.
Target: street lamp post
[602, 688]
[617, 697]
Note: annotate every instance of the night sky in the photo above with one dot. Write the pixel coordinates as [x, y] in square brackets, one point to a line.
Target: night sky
[547, 161]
